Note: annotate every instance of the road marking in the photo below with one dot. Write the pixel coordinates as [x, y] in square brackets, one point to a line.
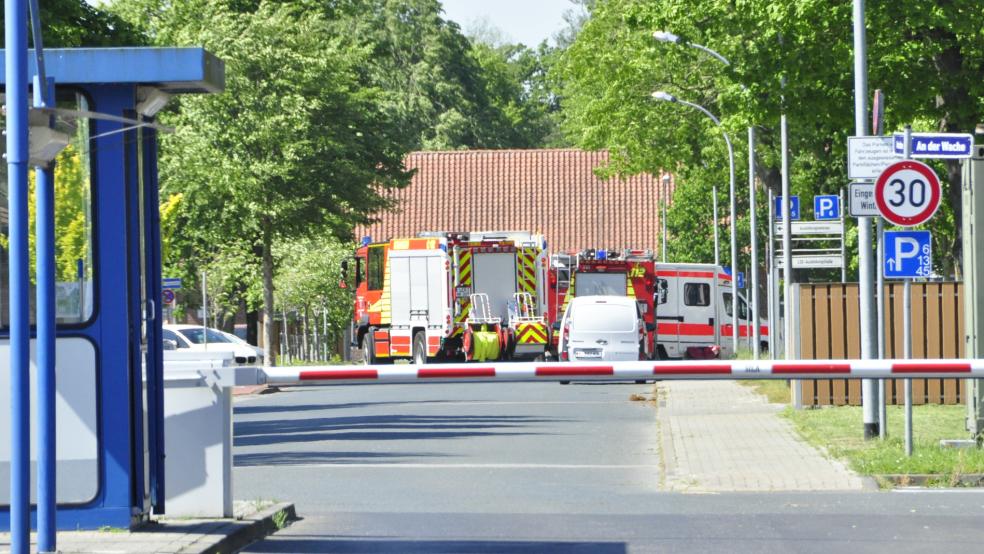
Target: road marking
[459, 466]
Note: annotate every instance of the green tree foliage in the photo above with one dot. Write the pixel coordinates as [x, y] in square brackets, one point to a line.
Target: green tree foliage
[792, 57]
[73, 23]
[296, 146]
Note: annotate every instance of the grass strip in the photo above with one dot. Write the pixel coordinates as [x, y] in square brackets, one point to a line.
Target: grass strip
[838, 429]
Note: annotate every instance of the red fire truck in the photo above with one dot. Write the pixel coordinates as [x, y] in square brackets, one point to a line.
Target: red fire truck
[478, 295]
[629, 273]
[691, 308]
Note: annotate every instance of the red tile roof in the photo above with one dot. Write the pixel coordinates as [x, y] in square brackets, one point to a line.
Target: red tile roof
[553, 192]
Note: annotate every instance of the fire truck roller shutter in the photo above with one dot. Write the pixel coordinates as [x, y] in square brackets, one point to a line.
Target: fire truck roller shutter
[494, 274]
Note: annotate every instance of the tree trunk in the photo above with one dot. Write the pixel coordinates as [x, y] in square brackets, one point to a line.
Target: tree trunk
[252, 319]
[270, 359]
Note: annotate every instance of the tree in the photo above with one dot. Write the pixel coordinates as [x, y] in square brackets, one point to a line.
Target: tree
[295, 147]
[792, 58]
[75, 23]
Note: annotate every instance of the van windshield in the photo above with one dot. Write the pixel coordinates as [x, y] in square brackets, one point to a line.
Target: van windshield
[618, 318]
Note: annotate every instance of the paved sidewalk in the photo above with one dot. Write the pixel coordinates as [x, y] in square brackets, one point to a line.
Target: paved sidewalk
[720, 436]
[172, 536]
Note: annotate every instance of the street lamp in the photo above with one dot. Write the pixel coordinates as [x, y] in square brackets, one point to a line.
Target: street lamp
[664, 36]
[666, 97]
[662, 218]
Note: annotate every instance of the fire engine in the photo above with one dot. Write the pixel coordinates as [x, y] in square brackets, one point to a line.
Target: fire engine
[628, 273]
[692, 310]
[477, 295]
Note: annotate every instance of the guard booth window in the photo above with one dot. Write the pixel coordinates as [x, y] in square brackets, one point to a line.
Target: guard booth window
[374, 269]
[73, 223]
[696, 294]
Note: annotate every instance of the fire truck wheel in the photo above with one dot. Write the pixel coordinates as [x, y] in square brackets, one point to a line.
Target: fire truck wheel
[369, 348]
[419, 348]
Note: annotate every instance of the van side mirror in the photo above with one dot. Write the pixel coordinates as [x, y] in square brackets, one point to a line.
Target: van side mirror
[170, 344]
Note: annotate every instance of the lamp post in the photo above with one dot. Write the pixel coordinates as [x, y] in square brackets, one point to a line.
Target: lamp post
[662, 217]
[666, 97]
[665, 36]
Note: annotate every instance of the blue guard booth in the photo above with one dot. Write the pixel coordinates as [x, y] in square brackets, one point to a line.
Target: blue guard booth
[109, 415]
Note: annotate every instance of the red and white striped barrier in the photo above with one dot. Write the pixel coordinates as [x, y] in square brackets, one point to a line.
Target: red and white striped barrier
[618, 371]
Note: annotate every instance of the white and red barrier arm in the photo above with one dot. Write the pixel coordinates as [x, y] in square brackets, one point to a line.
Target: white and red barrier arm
[649, 370]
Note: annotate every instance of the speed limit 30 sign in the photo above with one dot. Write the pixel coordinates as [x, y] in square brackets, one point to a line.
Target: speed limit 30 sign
[907, 193]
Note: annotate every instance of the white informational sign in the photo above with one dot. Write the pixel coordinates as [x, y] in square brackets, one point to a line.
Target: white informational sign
[908, 193]
[861, 200]
[812, 228]
[801, 261]
[867, 157]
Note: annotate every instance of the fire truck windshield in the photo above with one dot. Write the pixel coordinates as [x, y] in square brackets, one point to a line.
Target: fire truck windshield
[599, 284]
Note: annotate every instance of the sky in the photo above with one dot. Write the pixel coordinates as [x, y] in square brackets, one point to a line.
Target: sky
[525, 21]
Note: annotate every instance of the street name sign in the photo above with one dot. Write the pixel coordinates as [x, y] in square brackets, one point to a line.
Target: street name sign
[908, 254]
[801, 261]
[907, 193]
[936, 145]
[826, 207]
[861, 200]
[812, 228]
[172, 283]
[794, 208]
[867, 157]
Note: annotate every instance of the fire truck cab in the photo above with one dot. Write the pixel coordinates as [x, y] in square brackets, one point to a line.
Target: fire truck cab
[628, 273]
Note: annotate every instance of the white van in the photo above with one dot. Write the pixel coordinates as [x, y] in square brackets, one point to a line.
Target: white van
[694, 312]
[596, 328]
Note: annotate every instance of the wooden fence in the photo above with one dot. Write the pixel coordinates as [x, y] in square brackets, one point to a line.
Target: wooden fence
[829, 317]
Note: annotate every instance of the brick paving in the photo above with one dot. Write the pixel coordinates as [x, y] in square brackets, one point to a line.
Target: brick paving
[720, 436]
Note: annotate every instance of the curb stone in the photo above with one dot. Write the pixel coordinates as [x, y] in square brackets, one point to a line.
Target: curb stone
[261, 524]
[929, 480]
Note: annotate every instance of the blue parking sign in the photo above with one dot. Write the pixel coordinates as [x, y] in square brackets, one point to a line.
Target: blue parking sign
[826, 207]
[741, 280]
[794, 208]
[908, 254]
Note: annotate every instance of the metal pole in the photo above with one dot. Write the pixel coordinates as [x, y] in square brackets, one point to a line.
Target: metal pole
[662, 219]
[717, 249]
[787, 261]
[843, 245]
[15, 14]
[735, 321]
[204, 311]
[45, 232]
[880, 318]
[770, 263]
[907, 349]
[717, 264]
[869, 390]
[753, 225]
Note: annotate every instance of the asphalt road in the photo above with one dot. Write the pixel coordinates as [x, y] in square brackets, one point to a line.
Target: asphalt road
[536, 468]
